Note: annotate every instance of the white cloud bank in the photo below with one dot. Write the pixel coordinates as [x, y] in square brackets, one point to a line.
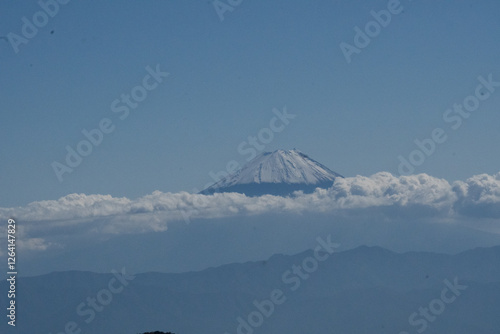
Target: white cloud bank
[415, 196]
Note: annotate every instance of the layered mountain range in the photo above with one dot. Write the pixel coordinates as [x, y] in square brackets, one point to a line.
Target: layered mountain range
[363, 290]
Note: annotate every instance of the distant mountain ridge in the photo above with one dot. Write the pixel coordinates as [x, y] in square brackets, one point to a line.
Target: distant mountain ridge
[363, 290]
[276, 173]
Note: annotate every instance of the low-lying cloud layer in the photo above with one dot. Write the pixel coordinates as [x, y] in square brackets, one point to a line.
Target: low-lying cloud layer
[415, 196]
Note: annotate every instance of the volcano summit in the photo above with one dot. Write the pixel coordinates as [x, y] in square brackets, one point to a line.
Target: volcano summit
[276, 173]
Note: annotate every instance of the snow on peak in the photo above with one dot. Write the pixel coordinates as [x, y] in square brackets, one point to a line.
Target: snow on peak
[290, 167]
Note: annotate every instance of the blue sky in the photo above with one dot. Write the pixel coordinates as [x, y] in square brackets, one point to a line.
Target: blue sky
[225, 79]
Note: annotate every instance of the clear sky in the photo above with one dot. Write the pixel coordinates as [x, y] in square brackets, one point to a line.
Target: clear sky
[225, 78]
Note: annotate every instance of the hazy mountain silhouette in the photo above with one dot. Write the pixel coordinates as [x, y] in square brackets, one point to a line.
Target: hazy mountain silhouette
[364, 290]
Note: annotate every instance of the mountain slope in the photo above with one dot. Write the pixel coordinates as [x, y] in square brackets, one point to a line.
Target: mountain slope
[365, 290]
[277, 173]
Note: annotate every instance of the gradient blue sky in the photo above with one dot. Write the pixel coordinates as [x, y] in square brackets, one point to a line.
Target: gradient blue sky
[226, 77]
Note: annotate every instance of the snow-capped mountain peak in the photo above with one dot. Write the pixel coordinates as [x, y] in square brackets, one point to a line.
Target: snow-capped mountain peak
[275, 173]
